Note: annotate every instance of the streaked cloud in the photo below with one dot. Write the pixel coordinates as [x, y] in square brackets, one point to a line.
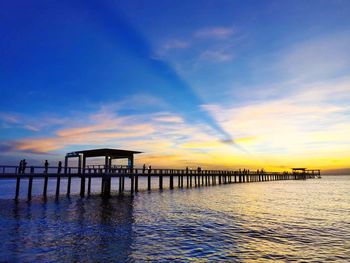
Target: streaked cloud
[176, 44]
[305, 124]
[209, 44]
[218, 32]
[317, 58]
[216, 55]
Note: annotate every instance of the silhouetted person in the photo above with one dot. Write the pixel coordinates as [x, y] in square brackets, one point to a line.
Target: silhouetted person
[59, 169]
[144, 168]
[187, 169]
[20, 167]
[24, 165]
[199, 170]
[46, 166]
[149, 169]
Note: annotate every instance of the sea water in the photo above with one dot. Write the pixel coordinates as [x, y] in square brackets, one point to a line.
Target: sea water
[300, 221]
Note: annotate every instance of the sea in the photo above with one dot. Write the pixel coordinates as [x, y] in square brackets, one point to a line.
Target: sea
[278, 221]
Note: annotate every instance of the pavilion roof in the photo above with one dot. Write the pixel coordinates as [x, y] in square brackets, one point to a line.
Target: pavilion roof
[113, 153]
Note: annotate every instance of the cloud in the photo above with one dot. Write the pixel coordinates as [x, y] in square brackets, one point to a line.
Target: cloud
[218, 32]
[168, 118]
[316, 58]
[216, 55]
[176, 44]
[5, 147]
[305, 126]
[210, 44]
[9, 118]
[314, 121]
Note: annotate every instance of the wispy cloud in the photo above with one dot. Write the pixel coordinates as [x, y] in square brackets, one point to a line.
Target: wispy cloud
[302, 125]
[210, 44]
[216, 55]
[318, 58]
[218, 32]
[9, 118]
[176, 44]
[22, 121]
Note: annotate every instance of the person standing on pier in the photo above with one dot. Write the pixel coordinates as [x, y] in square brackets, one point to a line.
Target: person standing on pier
[59, 169]
[149, 169]
[20, 167]
[46, 166]
[24, 165]
[199, 170]
[186, 169]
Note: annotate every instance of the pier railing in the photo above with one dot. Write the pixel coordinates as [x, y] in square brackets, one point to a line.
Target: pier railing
[185, 177]
[9, 170]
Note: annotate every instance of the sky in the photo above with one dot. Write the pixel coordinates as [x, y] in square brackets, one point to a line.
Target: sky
[217, 84]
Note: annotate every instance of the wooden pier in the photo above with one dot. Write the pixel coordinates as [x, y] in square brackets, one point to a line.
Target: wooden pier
[177, 178]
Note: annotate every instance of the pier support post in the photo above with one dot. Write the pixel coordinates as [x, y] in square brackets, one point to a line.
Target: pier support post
[149, 180]
[30, 183]
[171, 180]
[18, 185]
[69, 182]
[120, 184]
[89, 183]
[58, 183]
[106, 179]
[136, 181]
[132, 182]
[161, 179]
[123, 183]
[46, 180]
[191, 179]
[82, 175]
[182, 179]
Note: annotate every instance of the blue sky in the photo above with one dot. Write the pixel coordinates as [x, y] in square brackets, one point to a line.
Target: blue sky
[226, 83]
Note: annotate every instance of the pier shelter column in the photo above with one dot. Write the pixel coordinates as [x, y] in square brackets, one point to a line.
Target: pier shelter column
[65, 164]
[82, 164]
[106, 179]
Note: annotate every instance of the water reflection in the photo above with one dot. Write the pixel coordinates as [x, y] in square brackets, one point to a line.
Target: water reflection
[91, 229]
[287, 221]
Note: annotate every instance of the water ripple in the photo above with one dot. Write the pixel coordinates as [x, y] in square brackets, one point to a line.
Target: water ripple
[293, 221]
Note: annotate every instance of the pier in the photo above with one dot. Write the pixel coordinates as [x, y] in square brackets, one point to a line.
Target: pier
[177, 178]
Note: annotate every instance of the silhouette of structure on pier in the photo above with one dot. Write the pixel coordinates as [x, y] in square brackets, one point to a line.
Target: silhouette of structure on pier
[109, 155]
[304, 172]
[193, 177]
